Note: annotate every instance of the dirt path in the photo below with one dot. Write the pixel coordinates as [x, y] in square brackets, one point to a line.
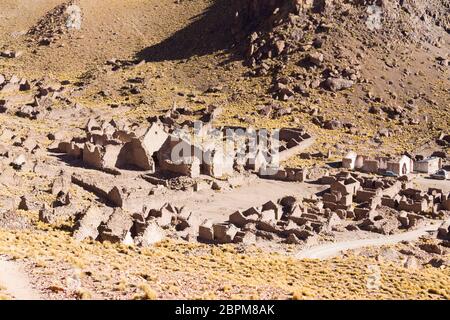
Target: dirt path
[330, 250]
[16, 281]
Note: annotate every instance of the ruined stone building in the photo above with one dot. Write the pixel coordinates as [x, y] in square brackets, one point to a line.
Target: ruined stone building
[428, 165]
[401, 165]
[112, 146]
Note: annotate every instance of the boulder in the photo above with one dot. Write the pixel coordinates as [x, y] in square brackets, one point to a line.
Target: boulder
[27, 203]
[19, 162]
[92, 155]
[431, 248]
[333, 221]
[332, 124]
[62, 199]
[139, 151]
[245, 237]
[411, 263]
[293, 239]
[279, 46]
[315, 58]
[28, 111]
[101, 157]
[52, 215]
[116, 196]
[187, 220]
[117, 227]
[337, 84]
[206, 231]
[10, 88]
[62, 184]
[164, 216]
[29, 144]
[238, 219]
[224, 232]
[268, 226]
[276, 208]
[269, 215]
[4, 151]
[87, 223]
[251, 212]
[444, 231]
[300, 233]
[152, 233]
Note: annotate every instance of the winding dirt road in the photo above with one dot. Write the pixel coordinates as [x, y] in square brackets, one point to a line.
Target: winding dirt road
[333, 249]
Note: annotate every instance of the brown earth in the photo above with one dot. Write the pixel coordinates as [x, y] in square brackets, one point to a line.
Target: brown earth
[188, 47]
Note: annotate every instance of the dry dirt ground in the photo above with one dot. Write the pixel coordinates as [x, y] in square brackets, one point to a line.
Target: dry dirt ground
[16, 282]
[186, 52]
[62, 268]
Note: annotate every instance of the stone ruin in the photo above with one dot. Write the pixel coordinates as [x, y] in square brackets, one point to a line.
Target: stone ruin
[367, 198]
[351, 203]
[289, 220]
[418, 201]
[140, 222]
[119, 226]
[113, 146]
[399, 165]
[128, 213]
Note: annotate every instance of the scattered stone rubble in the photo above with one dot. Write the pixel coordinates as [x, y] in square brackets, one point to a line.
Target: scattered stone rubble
[278, 28]
[267, 52]
[56, 23]
[417, 201]
[29, 99]
[11, 54]
[141, 228]
[351, 203]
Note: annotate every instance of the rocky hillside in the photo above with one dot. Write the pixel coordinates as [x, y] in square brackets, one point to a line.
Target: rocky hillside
[353, 65]
[374, 73]
[76, 75]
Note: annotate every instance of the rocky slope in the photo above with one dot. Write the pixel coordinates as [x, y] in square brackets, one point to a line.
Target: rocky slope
[368, 76]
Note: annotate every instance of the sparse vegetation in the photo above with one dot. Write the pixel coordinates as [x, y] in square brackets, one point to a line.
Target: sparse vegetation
[382, 91]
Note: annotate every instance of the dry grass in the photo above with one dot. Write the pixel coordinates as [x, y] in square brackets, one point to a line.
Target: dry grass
[195, 271]
[147, 293]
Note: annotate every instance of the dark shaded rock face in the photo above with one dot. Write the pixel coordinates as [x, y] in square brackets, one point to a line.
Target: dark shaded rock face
[252, 13]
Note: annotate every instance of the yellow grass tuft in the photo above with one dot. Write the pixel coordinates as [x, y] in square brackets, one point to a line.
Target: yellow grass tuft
[147, 293]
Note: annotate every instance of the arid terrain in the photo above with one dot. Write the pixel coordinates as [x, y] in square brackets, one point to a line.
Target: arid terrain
[213, 149]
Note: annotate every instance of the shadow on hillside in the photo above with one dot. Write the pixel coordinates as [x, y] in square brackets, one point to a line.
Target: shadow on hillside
[207, 33]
